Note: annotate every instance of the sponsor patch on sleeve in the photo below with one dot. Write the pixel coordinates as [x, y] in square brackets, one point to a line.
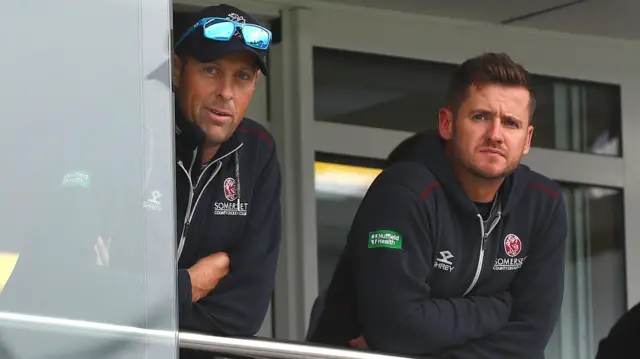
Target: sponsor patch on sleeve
[385, 239]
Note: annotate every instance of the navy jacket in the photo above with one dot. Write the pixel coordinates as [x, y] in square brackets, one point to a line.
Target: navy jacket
[622, 340]
[232, 206]
[422, 273]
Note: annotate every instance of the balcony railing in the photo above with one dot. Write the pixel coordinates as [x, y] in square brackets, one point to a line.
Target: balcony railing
[272, 349]
[223, 346]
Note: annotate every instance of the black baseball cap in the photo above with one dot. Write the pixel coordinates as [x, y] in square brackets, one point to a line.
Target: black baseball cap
[206, 50]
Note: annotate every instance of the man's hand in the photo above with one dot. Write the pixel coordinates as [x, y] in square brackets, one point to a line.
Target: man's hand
[359, 342]
[206, 274]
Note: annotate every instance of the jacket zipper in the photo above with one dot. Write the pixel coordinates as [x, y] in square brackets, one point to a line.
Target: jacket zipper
[190, 211]
[191, 190]
[483, 247]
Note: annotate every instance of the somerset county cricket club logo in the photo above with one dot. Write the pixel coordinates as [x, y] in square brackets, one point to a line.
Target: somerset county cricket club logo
[230, 189]
[231, 207]
[512, 245]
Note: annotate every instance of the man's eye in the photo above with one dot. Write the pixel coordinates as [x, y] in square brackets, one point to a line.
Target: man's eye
[478, 117]
[244, 76]
[211, 70]
[511, 123]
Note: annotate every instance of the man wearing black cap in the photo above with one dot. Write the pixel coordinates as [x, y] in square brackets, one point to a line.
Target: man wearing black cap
[227, 179]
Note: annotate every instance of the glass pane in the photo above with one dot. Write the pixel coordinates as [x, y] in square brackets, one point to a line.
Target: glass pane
[86, 132]
[403, 94]
[595, 270]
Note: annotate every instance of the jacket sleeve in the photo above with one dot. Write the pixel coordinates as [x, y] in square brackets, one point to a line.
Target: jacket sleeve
[537, 293]
[396, 310]
[237, 306]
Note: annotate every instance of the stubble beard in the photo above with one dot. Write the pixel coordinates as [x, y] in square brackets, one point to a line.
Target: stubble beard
[474, 170]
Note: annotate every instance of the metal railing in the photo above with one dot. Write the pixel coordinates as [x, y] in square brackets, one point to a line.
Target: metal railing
[222, 346]
[270, 348]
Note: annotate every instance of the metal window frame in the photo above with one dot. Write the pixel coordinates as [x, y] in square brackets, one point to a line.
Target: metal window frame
[291, 114]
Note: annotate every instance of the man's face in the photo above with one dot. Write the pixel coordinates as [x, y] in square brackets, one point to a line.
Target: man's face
[215, 95]
[491, 130]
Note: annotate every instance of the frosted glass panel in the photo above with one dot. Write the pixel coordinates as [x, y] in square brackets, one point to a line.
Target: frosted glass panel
[86, 195]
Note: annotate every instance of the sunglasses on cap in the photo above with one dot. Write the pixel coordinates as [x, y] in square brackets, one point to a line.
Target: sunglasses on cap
[220, 29]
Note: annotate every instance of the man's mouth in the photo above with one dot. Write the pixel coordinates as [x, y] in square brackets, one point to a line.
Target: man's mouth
[219, 117]
[493, 151]
[220, 112]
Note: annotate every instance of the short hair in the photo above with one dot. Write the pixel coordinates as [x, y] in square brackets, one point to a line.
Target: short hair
[488, 68]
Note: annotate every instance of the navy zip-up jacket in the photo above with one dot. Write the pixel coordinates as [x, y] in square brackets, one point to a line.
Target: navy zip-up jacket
[232, 206]
[422, 273]
[622, 340]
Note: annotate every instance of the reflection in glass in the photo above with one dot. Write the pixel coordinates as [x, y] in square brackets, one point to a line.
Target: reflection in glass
[87, 267]
[595, 269]
[404, 94]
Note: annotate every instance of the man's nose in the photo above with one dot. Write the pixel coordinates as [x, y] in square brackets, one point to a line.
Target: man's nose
[225, 89]
[496, 131]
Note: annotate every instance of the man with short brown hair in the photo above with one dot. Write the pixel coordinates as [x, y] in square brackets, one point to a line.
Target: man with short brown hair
[457, 250]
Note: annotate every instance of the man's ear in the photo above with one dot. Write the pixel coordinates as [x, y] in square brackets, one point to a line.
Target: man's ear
[527, 143]
[445, 123]
[176, 71]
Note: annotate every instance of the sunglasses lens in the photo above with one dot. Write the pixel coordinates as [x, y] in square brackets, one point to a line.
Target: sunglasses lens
[256, 37]
[219, 30]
